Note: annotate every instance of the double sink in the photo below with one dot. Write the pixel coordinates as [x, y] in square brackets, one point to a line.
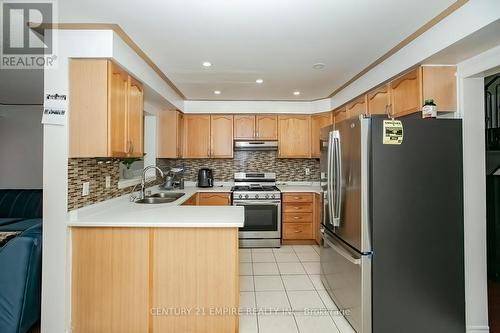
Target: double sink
[160, 198]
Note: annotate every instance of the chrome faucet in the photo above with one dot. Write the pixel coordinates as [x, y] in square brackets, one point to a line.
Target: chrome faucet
[143, 179]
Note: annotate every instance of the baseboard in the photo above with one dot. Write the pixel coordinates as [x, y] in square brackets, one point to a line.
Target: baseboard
[477, 329]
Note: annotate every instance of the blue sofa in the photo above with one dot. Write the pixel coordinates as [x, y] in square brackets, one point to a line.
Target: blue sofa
[20, 260]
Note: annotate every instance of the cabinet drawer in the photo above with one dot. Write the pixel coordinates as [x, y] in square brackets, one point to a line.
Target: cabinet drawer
[298, 197]
[297, 231]
[297, 217]
[214, 199]
[298, 207]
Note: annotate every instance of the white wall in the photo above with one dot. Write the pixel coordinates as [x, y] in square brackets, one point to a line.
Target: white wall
[322, 105]
[21, 147]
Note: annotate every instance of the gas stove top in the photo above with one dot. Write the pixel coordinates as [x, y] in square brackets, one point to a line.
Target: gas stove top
[253, 188]
[255, 185]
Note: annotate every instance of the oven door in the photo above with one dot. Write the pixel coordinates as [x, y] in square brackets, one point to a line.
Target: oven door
[262, 218]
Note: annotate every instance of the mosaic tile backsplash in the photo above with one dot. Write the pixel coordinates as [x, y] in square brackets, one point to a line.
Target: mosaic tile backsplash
[92, 170]
[263, 161]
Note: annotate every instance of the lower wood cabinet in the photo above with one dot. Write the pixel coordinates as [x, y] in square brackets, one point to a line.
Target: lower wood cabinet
[192, 201]
[301, 217]
[124, 279]
[214, 199]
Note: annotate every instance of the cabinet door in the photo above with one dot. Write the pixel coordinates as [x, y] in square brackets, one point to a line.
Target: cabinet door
[135, 119]
[440, 84]
[168, 134]
[318, 121]
[110, 280]
[180, 133]
[339, 115]
[294, 132]
[88, 105]
[405, 92]
[221, 136]
[357, 107]
[379, 100]
[118, 85]
[214, 199]
[196, 136]
[266, 127]
[244, 127]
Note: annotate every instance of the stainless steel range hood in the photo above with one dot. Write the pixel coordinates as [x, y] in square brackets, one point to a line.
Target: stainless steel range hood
[256, 145]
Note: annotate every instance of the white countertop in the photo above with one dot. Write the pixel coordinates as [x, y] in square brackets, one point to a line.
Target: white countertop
[299, 187]
[120, 212]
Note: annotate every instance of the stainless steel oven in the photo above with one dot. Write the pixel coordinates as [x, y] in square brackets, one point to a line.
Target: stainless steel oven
[258, 194]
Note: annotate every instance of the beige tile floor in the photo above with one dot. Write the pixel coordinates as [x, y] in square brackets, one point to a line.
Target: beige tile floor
[283, 285]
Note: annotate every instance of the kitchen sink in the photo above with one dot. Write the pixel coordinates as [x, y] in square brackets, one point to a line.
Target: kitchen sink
[174, 196]
[160, 198]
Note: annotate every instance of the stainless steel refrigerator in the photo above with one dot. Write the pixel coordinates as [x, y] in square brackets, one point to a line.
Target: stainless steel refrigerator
[392, 254]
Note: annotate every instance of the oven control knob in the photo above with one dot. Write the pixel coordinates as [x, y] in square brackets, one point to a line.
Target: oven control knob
[267, 196]
[246, 196]
[240, 196]
[272, 196]
[256, 196]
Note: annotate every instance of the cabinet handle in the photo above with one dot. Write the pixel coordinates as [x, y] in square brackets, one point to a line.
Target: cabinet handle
[296, 208]
[298, 231]
[257, 134]
[296, 198]
[296, 217]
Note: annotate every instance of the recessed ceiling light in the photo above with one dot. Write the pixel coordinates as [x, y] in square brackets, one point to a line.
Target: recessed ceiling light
[296, 93]
[207, 64]
[319, 65]
[217, 92]
[259, 81]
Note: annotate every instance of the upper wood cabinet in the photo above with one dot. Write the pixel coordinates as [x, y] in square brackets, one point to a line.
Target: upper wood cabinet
[294, 136]
[208, 136]
[196, 143]
[440, 84]
[106, 106]
[379, 100]
[318, 121]
[244, 127]
[256, 127]
[221, 136]
[404, 93]
[266, 127]
[170, 132]
[409, 91]
[339, 114]
[357, 107]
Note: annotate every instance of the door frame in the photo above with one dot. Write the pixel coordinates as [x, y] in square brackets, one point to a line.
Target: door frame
[471, 74]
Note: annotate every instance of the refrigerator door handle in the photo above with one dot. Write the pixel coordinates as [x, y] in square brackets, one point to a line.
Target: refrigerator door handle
[329, 185]
[341, 251]
[337, 166]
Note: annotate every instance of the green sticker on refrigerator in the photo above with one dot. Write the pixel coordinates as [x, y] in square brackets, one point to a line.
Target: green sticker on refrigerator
[393, 132]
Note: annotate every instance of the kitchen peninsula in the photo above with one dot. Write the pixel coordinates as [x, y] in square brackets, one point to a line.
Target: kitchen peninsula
[155, 267]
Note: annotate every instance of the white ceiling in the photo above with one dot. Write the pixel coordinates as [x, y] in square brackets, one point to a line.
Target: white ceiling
[276, 40]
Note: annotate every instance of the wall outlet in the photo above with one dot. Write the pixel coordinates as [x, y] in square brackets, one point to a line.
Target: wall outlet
[86, 189]
[308, 171]
[108, 181]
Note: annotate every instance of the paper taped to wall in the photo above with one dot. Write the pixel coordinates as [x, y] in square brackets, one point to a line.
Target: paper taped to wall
[55, 107]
